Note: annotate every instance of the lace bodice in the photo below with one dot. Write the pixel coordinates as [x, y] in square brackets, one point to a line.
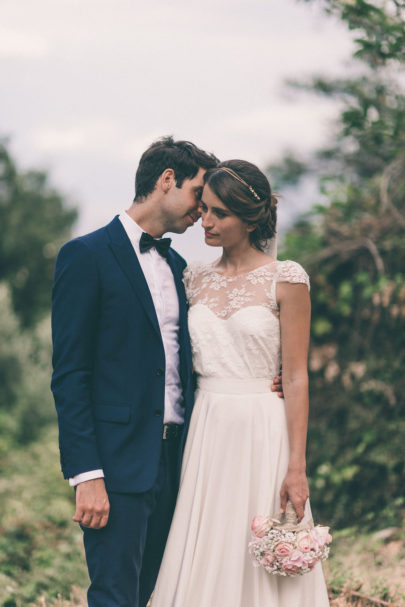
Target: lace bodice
[234, 321]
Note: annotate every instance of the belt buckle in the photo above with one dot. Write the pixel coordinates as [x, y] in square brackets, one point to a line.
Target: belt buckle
[171, 431]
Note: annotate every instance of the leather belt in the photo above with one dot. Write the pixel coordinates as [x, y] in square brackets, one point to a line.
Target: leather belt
[172, 431]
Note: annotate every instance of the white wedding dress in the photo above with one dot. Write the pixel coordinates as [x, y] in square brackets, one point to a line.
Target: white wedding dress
[236, 453]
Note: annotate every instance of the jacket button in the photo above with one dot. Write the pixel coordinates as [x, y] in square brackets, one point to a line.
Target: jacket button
[157, 412]
[159, 372]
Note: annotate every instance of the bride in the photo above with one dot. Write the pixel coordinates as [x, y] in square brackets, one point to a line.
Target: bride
[245, 451]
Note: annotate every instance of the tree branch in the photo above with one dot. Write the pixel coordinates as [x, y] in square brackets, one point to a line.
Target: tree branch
[372, 247]
[343, 249]
[393, 170]
[370, 599]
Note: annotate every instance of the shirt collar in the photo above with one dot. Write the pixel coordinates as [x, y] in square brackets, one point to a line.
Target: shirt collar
[133, 230]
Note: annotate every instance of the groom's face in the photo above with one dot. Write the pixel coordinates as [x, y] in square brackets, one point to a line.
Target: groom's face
[181, 205]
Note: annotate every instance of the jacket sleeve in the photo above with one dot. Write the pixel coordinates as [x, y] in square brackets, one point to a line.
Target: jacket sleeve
[75, 311]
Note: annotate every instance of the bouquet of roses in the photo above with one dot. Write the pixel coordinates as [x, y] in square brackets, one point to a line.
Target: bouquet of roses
[283, 547]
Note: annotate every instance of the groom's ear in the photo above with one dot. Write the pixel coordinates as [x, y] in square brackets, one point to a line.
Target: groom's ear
[167, 180]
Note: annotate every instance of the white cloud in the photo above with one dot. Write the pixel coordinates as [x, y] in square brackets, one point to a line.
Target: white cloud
[14, 43]
[263, 133]
[134, 147]
[113, 75]
[89, 137]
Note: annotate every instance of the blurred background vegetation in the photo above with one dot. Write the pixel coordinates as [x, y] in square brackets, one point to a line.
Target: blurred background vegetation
[353, 246]
[352, 242]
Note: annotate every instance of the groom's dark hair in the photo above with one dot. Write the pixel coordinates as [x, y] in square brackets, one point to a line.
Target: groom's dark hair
[183, 157]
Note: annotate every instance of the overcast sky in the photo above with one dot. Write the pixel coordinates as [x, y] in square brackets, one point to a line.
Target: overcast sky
[87, 85]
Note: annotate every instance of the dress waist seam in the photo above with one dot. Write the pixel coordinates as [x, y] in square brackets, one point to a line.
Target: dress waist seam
[234, 385]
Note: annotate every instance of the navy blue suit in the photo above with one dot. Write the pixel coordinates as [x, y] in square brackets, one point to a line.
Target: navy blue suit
[109, 377]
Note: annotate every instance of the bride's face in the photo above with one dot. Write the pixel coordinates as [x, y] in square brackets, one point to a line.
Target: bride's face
[222, 228]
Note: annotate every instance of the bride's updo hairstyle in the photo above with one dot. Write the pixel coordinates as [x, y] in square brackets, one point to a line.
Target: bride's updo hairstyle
[246, 192]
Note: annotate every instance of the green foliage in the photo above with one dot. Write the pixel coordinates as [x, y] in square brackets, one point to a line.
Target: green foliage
[25, 398]
[288, 172]
[41, 551]
[354, 249]
[378, 26]
[34, 224]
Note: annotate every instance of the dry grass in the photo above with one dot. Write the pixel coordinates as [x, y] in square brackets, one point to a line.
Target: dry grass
[368, 570]
[77, 599]
[365, 572]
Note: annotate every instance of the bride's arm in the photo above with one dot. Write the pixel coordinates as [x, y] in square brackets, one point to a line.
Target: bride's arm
[295, 313]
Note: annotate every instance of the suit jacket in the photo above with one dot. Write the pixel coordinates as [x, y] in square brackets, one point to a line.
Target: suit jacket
[109, 361]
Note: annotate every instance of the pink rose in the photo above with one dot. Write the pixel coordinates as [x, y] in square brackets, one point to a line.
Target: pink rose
[260, 525]
[297, 558]
[317, 539]
[320, 536]
[283, 548]
[294, 563]
[304, 541]
[311, 561]
[289, 568]
[268, 559]
[324, 533]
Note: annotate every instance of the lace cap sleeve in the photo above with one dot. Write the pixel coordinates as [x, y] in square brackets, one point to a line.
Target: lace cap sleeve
[291, 271]
[189, 275]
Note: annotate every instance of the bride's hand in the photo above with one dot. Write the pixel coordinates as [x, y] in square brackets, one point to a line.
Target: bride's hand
[295, 488]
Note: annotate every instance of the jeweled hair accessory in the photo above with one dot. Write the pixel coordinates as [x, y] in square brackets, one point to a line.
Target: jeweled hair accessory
[236, 176]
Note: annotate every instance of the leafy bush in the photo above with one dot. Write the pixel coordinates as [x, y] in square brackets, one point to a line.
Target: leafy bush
[353, 246]
[41, 549]
[35, 221]
[25, 399]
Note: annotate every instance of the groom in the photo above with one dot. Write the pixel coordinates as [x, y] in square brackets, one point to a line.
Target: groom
[122, 378]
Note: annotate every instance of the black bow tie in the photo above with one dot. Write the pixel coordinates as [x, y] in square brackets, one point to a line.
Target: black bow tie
[161, 245]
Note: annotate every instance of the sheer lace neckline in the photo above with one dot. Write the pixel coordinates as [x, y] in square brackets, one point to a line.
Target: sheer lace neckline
[224, 295]
[246, 273]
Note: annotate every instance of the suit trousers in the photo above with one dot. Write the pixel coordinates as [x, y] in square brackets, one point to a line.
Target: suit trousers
[124, 557]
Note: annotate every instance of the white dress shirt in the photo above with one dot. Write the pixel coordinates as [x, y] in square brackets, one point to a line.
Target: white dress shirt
[164, 295]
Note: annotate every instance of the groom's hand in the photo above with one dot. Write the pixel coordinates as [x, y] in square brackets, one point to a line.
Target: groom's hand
[92, 505]
[277, 386]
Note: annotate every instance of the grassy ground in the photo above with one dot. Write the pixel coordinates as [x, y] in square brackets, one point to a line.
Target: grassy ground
[367, 569]
[40, 548]
[41, 554]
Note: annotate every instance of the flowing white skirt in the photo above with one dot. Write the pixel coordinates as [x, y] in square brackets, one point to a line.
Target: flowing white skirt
[235, 459]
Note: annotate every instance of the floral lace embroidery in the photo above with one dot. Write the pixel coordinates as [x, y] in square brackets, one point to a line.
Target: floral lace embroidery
[224, 295]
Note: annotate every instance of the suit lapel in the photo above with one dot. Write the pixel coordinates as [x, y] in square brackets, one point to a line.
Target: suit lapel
[178, 280]
[124, 253]
[184, 340]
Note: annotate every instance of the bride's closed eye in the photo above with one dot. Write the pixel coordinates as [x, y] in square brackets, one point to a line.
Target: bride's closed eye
[218, 212]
